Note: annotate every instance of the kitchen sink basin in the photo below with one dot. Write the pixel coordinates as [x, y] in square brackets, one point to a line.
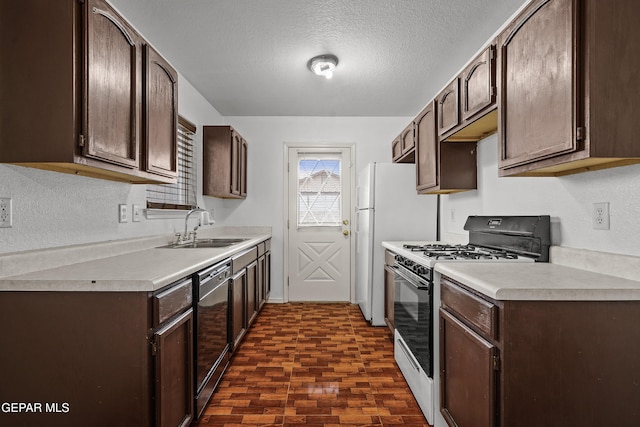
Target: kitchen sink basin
[221, 242]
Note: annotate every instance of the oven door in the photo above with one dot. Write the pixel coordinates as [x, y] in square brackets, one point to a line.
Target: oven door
[412, 316]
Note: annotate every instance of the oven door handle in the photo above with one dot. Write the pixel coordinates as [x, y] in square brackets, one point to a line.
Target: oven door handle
[409, 279]
[408, 354]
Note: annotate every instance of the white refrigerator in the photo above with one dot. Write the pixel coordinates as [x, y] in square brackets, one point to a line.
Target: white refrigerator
[387, 209]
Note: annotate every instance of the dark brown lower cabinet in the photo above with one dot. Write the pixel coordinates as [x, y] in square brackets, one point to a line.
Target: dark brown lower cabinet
[538, 363]
[260, 283]
[389, 298]
[238, 325]
[267, 275]
[263, 283]
[98, 358]
[174, 372]
[468, 375]
[252, 307]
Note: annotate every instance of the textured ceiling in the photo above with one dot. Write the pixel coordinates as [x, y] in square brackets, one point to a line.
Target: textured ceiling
[249, 57]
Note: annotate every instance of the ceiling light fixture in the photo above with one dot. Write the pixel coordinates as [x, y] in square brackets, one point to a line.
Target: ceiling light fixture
[323, 65]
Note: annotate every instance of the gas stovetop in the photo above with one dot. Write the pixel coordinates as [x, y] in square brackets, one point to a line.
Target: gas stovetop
[492, 239]
[443, 251]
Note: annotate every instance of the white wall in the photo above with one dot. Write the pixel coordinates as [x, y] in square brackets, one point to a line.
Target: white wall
[567, 199]
[55, 209]
[266, 137]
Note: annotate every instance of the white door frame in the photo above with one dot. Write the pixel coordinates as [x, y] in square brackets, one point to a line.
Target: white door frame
[351, 146]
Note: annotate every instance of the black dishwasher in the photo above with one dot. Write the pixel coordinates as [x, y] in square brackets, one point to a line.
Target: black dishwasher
[211, 344]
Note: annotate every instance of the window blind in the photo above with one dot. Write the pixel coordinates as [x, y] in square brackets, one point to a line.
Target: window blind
[182, 194]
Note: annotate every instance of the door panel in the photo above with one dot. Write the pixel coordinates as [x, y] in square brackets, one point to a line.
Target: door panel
[319, 194]
[467, 375]
[160, 115]
[426, 149]
[537, 99]
[113, 60]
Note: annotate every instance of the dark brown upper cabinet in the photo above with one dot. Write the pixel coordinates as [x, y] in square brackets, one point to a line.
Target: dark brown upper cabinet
[404, 146]
[225, 154]
[76, 91]
[467, 105]
[396, 149]
[441, 168]
[112, 93]
[160, 113]
[448, 107]
[565, 99]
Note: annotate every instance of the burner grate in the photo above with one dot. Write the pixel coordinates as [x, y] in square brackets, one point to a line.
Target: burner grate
[443, 251]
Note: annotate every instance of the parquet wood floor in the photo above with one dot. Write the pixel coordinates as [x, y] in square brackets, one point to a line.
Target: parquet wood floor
[310, 364]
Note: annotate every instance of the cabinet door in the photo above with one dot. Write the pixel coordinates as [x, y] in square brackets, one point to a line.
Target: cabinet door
[448, 108]
[267, 276]
[408, 142]
[236, 146]
[238, 327]
[112, 87]
[467, 375]
[478, 84]
[396, 149]
[160, 108]
[537, 96]
[426, 149]
[174, 372]
[242, 169]
[260, 284]
[389, 297]
[252, 307]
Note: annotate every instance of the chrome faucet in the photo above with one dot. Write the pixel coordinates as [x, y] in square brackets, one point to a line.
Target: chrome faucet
[186, 236]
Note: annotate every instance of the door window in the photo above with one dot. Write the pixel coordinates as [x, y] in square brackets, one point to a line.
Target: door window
[319, 191]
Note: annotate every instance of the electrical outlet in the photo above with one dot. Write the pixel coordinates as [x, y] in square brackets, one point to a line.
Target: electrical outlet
[6, 215]
[136, 213]
[122, 213]
[600, 216]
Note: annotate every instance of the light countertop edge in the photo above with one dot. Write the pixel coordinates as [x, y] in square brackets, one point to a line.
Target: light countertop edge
[539, 282]
[532, 281]
[146, 270]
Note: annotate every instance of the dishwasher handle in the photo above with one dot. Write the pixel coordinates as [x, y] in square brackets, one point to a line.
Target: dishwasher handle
[212, 279]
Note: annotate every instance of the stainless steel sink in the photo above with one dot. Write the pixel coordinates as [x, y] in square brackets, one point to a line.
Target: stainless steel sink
[221, 242]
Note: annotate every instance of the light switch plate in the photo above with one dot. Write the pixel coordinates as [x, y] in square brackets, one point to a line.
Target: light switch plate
[136, 213]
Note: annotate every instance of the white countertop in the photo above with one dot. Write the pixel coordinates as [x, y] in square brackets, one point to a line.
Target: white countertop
[533, 281]
[540, 281]
[140, 271]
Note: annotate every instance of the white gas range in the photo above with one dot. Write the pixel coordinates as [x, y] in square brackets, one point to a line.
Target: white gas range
[417, 291]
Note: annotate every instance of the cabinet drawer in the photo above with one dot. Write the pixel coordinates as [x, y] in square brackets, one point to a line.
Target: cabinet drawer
[476, 311]
[172, 301]
[264, 247]
[241, 260]
[389, 257]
